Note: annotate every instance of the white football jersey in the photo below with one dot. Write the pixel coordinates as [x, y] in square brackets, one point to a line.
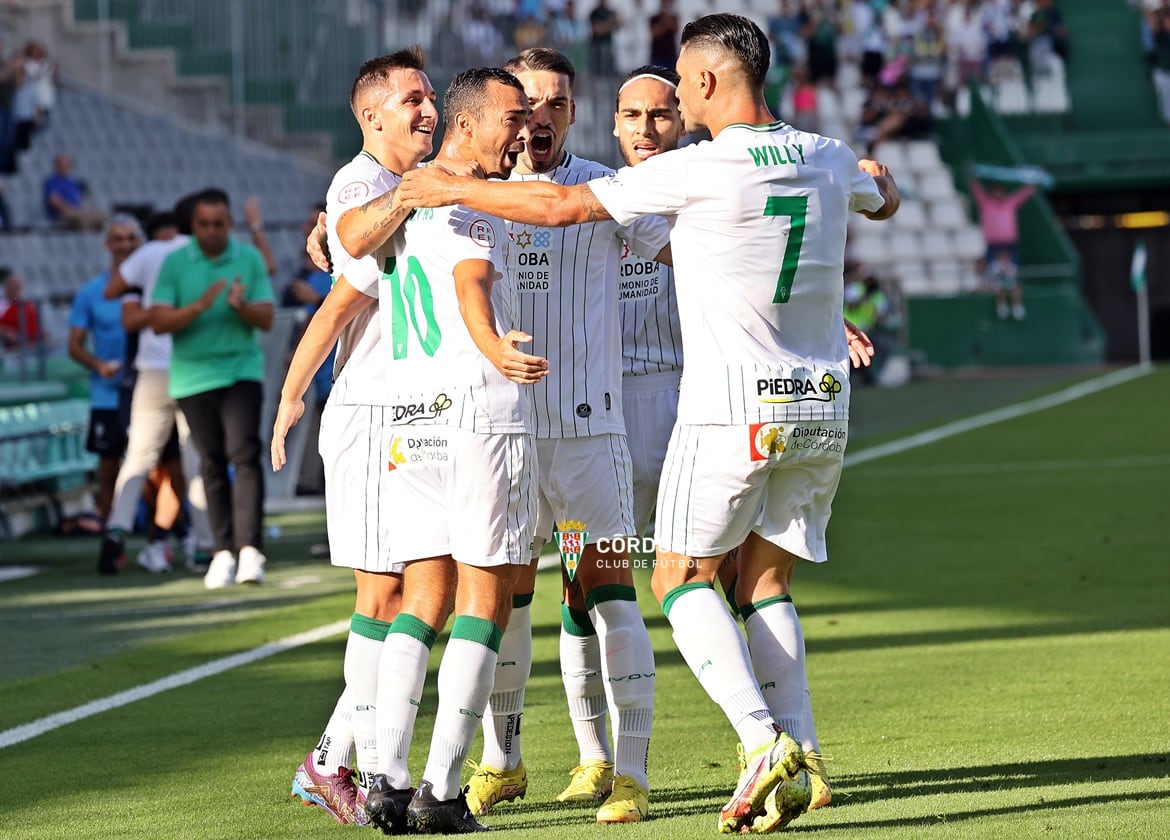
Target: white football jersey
[758, 221]
[568, 287]
[356, 368]
[651, 335]
[432, 372]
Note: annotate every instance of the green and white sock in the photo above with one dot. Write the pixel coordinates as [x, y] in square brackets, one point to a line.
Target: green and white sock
[335, 748]
[627, 663]
[505, 708]
[776, 642]
[711, 643]
[402, 670]
[466, 676]
[363, 649]
[584, 686]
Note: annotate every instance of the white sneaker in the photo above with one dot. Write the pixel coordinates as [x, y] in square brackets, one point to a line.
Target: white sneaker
[1019, 312]
[221, 572]
[156, 557]
[251, 566]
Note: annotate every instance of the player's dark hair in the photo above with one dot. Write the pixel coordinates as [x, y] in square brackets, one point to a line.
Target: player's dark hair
[543, 59]
[158, 221]
[736, 35]
[467, 93]
[664, 73]
[377, 71]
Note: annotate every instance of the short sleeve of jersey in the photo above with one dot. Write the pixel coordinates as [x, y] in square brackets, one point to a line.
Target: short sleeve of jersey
[646, 235]
[477, 236]
[863, 190]
[658, 186]
[81, 313]
[363, 274]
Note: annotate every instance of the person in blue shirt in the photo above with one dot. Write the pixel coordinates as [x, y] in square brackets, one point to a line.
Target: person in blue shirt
[94, 316]
[66, 200]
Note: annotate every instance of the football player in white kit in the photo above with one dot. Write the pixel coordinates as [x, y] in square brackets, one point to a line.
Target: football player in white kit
[394, 106]
[568, 292]
[758, 219]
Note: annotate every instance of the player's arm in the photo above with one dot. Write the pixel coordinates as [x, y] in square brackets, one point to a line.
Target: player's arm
[135, 316]
[540, 203]
[886, 186]
[362, 230]
[473, 287]
[341, 305]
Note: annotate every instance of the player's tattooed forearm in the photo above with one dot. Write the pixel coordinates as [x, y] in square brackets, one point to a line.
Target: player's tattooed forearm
[594, 210]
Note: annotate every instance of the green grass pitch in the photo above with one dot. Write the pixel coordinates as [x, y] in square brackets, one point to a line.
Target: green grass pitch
[989, 654]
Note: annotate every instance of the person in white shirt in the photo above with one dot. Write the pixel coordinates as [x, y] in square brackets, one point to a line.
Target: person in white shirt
[758, 219]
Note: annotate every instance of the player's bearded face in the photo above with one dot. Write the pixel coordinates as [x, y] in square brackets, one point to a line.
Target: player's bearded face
[551, 99]
[647, 121]
[500, 135]
[408, 114]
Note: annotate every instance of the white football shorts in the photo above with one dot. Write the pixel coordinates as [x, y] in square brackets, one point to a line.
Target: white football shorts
[585, 480]
[453, 491]
[354, 451]
[778, 479]
[650, 405]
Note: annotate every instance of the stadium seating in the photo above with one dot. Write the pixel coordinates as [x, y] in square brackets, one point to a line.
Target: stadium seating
[40, 441]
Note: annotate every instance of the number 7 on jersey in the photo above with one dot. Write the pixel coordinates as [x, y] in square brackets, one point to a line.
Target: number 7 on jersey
[795, 207]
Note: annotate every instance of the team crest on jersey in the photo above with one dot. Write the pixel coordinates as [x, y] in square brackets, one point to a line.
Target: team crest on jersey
[571, 537]
[354, 191]
[482, 233]
[765, 440]
[785, 389]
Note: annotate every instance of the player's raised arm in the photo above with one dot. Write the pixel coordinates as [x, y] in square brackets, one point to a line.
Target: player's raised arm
[886, 186]
[541, 203]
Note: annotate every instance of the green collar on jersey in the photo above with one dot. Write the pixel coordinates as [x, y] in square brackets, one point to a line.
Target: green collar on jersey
[772, 126]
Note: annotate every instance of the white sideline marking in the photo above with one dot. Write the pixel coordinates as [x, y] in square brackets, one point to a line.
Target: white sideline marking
[1004, 467]
[1009, 412]
[28, 731]
[17, 572]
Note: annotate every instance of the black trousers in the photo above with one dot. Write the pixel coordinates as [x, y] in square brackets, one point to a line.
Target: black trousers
[225, 425]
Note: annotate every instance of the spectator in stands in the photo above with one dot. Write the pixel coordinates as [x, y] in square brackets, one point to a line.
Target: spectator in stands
[998, 212]
[664, 29]
[481, 37]
[254, 218]
[966, 41]
[603, 23]
[1002, 38]
[567, 33]
[93, 315]
[11, 72]
[1046, 35]
[213, 295]
[821, 47]
[66, 198]
[927, 55]
[24, 108]
[784, 30]
[529, 32]
[41, 75]
[20, 324]
[1159, 56]
[5, 213]
[872, 39]
[890, 112]
[805, 114]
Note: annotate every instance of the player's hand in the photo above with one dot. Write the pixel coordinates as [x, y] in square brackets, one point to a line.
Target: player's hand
[465, 168]
[287, 415]
[317, 246]
[236, 294]
[210, 294]
[872, 167]
[860, 347]
[517, 365]
[431, 186]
